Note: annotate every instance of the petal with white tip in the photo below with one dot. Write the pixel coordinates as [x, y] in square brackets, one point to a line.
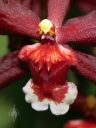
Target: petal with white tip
[56, 108]
[59, 109]
[72, 93]
[40, 106]
[30, 97]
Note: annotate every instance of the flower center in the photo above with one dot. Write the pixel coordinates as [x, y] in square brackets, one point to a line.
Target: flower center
[46, 28]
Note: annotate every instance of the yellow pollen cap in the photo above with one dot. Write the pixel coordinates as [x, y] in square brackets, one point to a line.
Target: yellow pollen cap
[45, 26]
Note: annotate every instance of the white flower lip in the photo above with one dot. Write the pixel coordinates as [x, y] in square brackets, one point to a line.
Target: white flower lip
[56, 108]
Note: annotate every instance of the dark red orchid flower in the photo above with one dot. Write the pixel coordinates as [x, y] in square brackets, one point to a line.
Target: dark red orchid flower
[50, 59]
[80, 124]
[86, 5]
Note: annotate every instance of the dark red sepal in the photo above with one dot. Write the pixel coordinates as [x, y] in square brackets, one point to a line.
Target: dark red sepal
[11, 69]
[16, 18]
[85, 65]
[80, 30]
[57, 10]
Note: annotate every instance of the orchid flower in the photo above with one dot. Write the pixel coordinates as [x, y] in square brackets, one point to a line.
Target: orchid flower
[50, 59]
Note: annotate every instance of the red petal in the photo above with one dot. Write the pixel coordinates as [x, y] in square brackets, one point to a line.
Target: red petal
[10, 69]
[81, 29]
[26, 51]
[9, 1]
[56, 93]
[85, 65]
[18, 19]
[36, 6]
[86, 5]
[57, 10]
[54, 54]
[80, 124]
[26, 3]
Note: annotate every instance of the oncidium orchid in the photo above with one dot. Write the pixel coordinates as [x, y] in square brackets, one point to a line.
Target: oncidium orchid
[49, 63]
[50, 59]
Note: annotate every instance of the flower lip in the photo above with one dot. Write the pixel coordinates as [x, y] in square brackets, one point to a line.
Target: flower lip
[46, 29]
[49, 54]
[42, 105]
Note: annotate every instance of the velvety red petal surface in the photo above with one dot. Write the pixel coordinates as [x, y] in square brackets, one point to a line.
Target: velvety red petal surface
[85, 65]
[36, 6]
[26, 3]
[57, 10]
[11, 2]
[18, 19]
[81, 30]
[10, 69]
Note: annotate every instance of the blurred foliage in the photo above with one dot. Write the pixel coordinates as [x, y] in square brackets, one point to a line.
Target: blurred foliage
[3, 45]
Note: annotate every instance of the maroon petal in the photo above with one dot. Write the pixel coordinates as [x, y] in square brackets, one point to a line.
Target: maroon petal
[81, 29]
[36, 6]
[86, 5]
[57, 10]
[18, 19]
[11, 2]
[85, 65]
[11, 69]
[26, 3]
